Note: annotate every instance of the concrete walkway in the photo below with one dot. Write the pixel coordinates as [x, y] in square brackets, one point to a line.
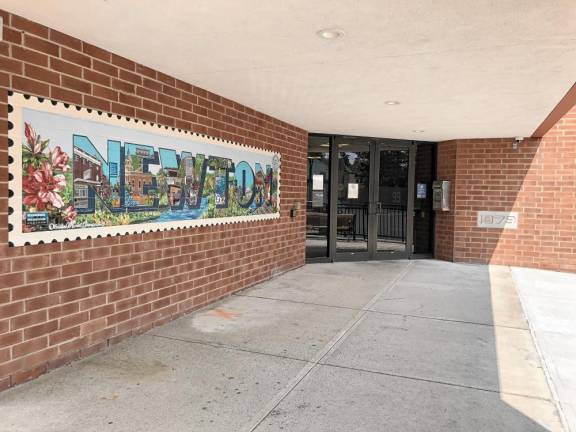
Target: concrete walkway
[379, 346]
[549, 299]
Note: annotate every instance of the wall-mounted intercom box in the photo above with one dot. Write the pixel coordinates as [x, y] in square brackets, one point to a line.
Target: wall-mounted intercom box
[441, 195]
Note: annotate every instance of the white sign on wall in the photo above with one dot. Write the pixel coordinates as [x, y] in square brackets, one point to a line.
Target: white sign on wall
[497, 219]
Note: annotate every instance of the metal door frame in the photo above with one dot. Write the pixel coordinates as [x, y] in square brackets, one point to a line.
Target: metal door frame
[345, 256]
[328, 257]
[371, 253]
[373, 224]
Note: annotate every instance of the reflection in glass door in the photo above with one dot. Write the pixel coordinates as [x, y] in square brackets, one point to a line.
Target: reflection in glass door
[362, 201]
[374, 200]
[353, 196]
[317, 204]
[392, 197]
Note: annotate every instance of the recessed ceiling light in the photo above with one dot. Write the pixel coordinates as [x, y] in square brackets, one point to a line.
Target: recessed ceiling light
[330, 33]
[392, 103]
[418, 131]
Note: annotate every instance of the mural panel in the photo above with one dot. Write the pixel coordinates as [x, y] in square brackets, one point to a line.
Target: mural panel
[77, 173]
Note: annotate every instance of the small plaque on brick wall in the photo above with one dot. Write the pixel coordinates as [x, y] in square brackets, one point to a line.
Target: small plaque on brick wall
[497, 219]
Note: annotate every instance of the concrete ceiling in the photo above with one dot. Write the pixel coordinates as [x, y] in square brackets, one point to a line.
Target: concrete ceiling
[460, 68]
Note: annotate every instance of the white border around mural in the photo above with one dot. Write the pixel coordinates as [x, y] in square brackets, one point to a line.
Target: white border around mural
[16, 237]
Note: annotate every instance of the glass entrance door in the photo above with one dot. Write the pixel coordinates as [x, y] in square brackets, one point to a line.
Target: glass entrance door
[374, 200]
[354, 198]
[317, 204]
[394, 198]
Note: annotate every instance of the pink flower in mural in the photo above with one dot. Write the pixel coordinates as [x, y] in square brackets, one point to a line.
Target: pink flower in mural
[44, 182]
[41, 187]
[30, 134]
[69, 214]
[33, 140]
[59, 159]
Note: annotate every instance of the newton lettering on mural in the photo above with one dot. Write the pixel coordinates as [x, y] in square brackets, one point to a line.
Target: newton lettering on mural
[80, 172]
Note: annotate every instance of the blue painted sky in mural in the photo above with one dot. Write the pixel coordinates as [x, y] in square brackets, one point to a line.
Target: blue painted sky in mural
[59, 129]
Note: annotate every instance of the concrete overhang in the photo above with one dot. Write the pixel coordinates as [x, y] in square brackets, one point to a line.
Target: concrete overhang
[459, 68]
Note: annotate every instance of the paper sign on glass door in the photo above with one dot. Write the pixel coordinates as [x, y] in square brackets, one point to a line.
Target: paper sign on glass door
[317, 198]
[352, 190]
[318, 182]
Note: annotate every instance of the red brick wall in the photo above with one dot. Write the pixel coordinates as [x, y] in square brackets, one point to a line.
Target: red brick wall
[444, 221]
[64, 300]
[538, 180]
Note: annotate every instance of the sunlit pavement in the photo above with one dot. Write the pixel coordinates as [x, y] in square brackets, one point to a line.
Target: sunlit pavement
[373, 346]
[549, 300]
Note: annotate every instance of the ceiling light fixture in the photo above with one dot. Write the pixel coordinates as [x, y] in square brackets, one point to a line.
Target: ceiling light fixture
[418, 131]
[330, 33]
[392, 102]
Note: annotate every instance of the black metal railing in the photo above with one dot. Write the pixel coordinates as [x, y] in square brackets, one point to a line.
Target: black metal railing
[360, 224]
[391, 221]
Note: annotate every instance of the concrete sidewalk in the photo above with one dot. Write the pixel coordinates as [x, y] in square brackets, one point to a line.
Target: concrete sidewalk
[377, 346]
[549, 299]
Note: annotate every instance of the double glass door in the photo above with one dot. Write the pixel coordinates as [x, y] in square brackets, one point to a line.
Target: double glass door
[373, 199]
